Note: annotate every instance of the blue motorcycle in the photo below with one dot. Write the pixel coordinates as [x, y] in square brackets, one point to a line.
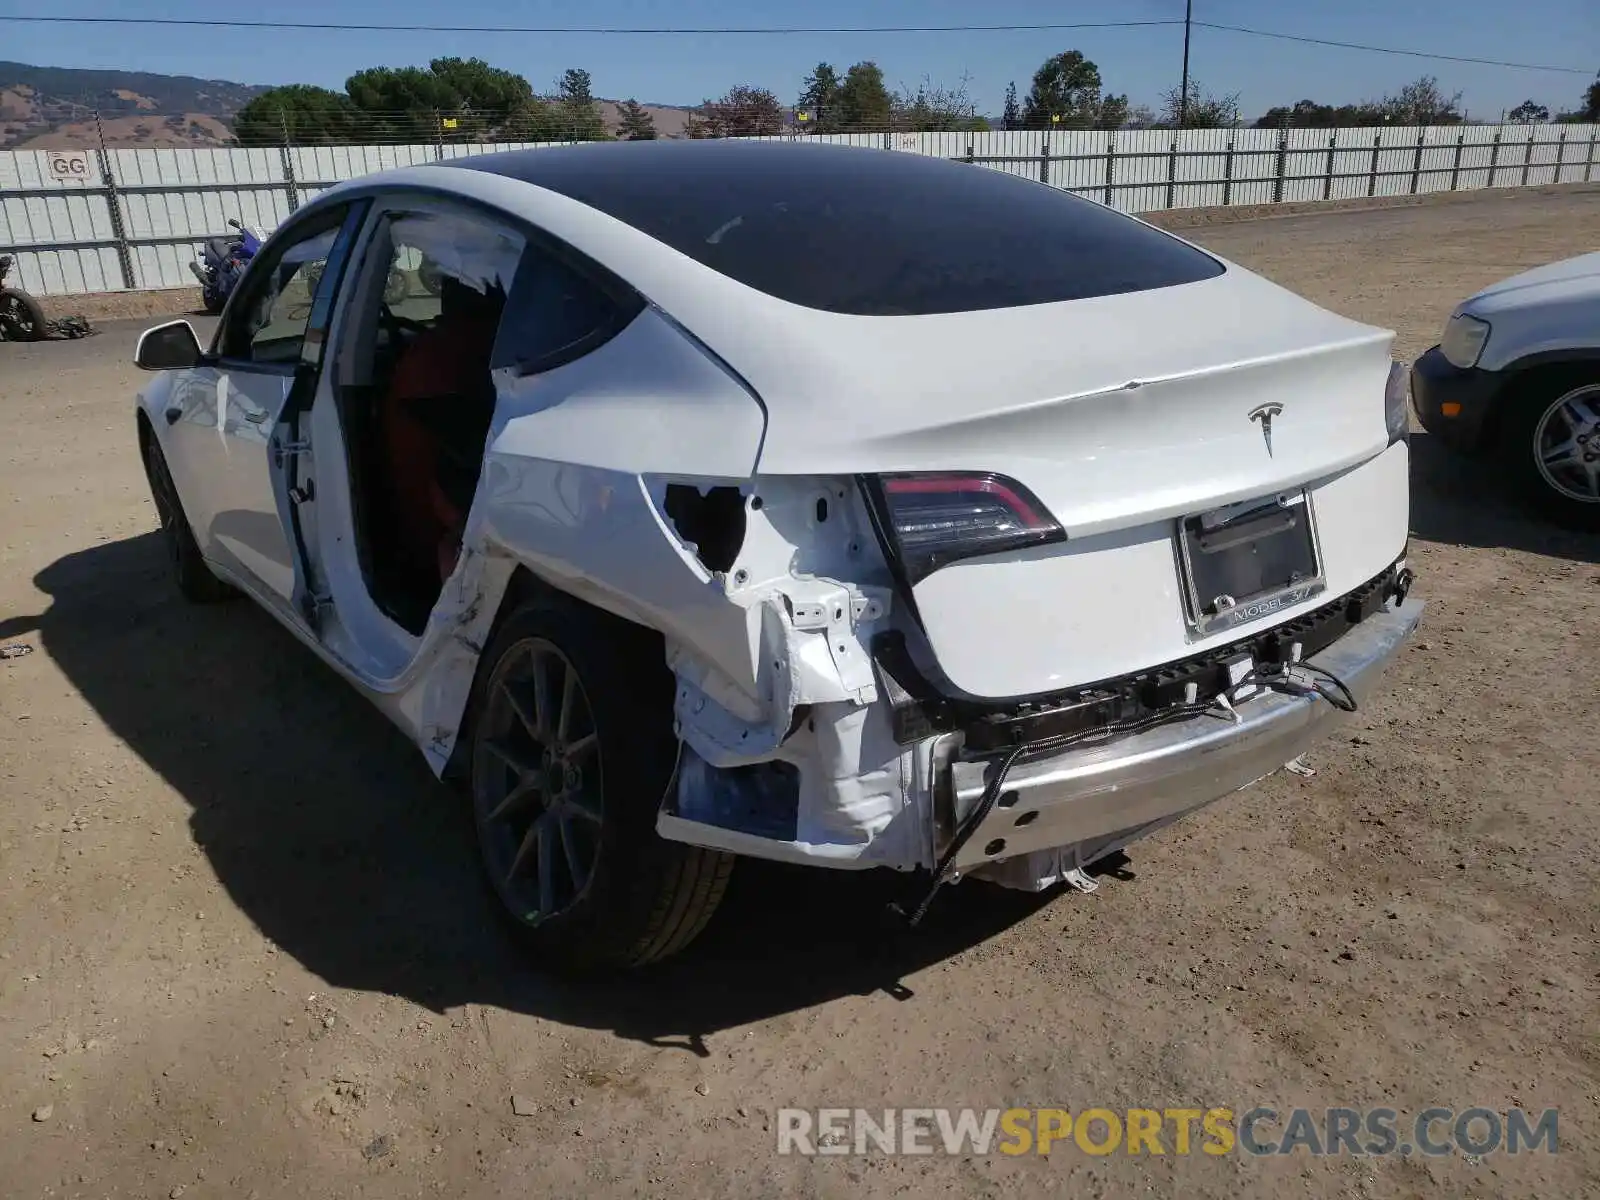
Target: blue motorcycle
[221, 264]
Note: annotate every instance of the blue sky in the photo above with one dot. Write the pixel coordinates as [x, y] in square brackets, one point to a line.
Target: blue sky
[685, 70]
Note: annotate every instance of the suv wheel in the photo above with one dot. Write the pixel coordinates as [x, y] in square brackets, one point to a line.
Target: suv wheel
[1552, 437]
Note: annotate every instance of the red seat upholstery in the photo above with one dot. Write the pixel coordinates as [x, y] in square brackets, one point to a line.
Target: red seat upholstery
[445, 362]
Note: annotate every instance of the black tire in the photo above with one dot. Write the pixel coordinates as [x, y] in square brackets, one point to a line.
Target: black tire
[21, 318]
[195, 580]
[641, 898]
[1540, 420]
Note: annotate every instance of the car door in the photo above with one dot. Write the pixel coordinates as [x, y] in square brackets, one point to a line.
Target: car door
[238, 413]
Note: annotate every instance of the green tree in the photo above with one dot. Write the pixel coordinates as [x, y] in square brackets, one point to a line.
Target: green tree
[1588, 111]
[534, 120]
[1528, 113]
[1065, 92]
[478, 87]
[1011, 115]
[400, 104]
[742, 112]
[459, 99]
[1113, 112]
[576, 109]
[305, 115]
[636, 123]
[819, 98]
[864, 103]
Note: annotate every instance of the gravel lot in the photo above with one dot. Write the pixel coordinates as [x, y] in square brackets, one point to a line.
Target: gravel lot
[243, 950]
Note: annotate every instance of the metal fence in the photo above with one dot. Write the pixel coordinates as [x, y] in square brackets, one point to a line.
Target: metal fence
[117, 219]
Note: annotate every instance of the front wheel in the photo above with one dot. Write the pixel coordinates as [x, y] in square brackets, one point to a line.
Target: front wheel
[21, 318]
[571, 753]
[1552, 440]
[194, 577]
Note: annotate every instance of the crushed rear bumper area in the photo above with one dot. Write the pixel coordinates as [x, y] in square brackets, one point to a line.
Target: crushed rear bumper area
[1084, 803]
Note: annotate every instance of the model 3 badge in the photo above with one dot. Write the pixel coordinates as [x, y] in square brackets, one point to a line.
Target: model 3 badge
[1264, 414]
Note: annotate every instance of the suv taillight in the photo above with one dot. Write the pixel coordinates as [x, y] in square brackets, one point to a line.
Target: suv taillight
[930, 520]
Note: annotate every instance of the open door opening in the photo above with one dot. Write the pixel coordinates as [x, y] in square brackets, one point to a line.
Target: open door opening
[418, 406]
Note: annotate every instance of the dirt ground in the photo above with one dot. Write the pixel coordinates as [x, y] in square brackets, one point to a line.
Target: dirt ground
[244, 951]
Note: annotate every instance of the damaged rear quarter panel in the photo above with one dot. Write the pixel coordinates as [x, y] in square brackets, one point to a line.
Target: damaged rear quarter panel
[574, 487]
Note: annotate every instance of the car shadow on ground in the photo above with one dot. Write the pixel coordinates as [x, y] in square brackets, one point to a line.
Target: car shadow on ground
[1463, 500]
[327, 829]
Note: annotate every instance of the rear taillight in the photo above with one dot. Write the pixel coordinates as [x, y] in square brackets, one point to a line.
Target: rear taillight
[930, 520]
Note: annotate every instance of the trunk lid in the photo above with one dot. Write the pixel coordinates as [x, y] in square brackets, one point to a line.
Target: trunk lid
[1121, 415]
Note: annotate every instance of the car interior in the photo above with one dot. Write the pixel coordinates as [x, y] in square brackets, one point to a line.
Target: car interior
[416, 399]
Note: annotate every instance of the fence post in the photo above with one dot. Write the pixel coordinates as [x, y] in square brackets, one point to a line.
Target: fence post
[1527, 156]
[1111, 170]
[1227, 174]
[1172, 173]
[1416, 162]
[1455, 167]
[1372, 178]
[1494, 156]
[438, 136]
[1561, 156]
[1044, 159]
[1327, 174]
[1588, 162]
[119, 228]
[286, 159]
[1282, 164]
[970, 155]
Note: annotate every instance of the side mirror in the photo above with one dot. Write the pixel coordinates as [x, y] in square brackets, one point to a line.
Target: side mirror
[169, 347]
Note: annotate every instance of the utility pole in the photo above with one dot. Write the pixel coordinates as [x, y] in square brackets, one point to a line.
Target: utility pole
[1183, 90]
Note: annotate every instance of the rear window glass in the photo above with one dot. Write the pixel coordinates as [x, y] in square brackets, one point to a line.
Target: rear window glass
[865, 232]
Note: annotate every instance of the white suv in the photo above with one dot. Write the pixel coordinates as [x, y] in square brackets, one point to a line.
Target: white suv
[1517, 372]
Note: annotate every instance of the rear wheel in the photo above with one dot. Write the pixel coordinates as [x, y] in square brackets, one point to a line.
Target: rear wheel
[21, 318]
[571, 752]
[189, 568]
[1552, 442]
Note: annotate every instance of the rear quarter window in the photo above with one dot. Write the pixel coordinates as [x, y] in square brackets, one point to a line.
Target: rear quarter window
[556, 313]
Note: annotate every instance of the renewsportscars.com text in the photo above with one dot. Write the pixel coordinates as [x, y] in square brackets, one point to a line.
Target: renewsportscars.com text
[1258, 1131]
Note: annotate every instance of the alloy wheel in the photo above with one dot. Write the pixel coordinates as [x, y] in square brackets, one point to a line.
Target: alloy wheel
[1566, 444]
[536, 782]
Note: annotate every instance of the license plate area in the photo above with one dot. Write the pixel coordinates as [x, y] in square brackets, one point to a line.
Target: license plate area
[1247, 561]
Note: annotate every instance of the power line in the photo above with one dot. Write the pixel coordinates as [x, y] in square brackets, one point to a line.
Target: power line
[766, 30]
[386, 27]
[1457, 58]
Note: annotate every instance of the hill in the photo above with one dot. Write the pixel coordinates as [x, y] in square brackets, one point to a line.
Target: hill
[52, 108]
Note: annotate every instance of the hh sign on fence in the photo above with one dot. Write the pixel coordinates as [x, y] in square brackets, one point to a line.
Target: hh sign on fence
[69, 165]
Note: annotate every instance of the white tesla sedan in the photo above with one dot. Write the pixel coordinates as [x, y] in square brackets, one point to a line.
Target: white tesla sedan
[843, 507]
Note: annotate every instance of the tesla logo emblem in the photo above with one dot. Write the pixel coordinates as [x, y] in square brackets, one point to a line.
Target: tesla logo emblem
[1264, 414]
